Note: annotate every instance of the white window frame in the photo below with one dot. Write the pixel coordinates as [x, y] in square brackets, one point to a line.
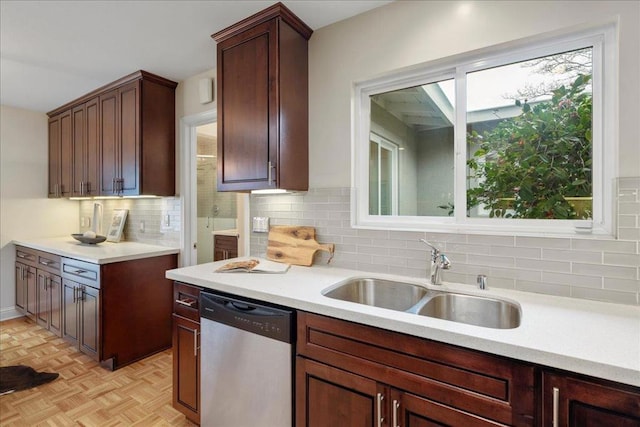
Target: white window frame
[384, 143]
[605, 125]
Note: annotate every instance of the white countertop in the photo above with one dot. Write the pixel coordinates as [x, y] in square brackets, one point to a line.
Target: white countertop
[231, 232]
[588, 337]
[102, 253]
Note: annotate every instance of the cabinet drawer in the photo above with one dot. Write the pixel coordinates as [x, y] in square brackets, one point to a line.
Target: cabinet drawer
[49, 262]
[186, 301]
[81, 272]
[26, 256]
[493, 387]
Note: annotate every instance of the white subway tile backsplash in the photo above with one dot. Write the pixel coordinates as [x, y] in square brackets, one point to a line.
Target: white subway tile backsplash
[533, 264]
[605, 270]
[515, 273]
[628, 208]
[605, 295]
[569, 255]
[622, 259]
[619, 246]
[484, 239]
[542, 242]
[572, 280]
[629, 233]
[543, 288]
[628, 285]
[491, 261]
[464, 248]
[580, 267]
[534, 253]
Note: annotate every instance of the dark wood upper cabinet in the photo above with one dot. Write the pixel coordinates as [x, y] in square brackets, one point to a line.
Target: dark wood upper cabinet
[121, 140]
[263, 117]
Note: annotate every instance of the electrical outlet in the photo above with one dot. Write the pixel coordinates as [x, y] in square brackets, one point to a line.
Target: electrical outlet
[260, 224]
[81, 221]
[142, 226]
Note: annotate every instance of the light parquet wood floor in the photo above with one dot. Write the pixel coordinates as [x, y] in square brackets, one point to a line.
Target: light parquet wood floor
[84, 394]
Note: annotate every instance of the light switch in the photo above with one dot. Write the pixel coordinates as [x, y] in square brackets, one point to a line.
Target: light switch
[260, 224]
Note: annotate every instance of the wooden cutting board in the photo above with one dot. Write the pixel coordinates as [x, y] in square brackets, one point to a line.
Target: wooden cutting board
[295, 245]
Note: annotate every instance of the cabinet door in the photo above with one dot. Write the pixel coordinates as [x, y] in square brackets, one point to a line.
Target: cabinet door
[70, 324]
[66, 154]
[408, 410]
[92, 148]
[89, 317]
[186, 367]
[247, 109]
[328, 397]
[61, 155]
[55, 304]
[21, 288]
[78, 116]
[42, 299]
[54, 157]
[109, 156]
[32, 292]
[225, 247]
[129, 138]
[568, 401]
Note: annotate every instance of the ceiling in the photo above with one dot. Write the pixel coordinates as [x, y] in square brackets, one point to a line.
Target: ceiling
[52, 52]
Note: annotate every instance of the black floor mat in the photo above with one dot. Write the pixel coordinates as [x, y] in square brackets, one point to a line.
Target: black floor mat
[16, 378]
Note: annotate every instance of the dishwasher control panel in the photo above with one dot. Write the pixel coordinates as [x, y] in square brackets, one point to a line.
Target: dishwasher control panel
[261, 319]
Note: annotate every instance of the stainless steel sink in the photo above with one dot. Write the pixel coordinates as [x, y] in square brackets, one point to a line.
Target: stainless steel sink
[473, 310]
[378, 292]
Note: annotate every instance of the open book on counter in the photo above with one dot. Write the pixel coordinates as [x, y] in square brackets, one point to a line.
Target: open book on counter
[254, 265]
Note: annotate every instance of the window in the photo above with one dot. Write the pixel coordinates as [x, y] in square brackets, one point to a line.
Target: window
[507, 140]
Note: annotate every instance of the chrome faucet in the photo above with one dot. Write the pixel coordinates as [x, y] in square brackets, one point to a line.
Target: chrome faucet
[439, 262]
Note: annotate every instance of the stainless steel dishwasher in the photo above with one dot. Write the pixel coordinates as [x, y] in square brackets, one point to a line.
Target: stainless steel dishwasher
[247, 363]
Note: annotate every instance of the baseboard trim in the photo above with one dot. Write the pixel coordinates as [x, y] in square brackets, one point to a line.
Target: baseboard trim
[9, 313]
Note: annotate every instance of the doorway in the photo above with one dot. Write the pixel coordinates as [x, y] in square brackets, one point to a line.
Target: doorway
[216, 211]
[205, 210]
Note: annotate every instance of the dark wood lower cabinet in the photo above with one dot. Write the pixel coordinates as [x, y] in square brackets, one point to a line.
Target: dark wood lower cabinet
[186, 350]
[186, 367]
[349, 374]
[573, 402]
[367, 374]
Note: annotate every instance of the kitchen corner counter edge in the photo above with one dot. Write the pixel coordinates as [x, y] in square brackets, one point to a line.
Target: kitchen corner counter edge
[588, 337]
[102, 253]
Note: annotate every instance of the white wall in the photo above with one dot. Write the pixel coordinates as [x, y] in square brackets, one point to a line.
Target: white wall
[406, 33]
[25, 211]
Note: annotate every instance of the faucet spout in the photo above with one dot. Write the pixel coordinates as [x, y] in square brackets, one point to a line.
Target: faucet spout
[439, 262]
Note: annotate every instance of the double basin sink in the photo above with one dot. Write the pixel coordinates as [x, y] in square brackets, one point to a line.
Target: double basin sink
[457, 307]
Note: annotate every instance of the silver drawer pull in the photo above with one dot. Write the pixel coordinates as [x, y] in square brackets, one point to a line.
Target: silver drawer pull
[556, 404]
[47, 263]
[188, 303]
[396, 406]
[80, 272]
[379, 417]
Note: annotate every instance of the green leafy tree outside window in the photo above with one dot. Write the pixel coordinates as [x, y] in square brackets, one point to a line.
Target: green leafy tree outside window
[529, 165]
